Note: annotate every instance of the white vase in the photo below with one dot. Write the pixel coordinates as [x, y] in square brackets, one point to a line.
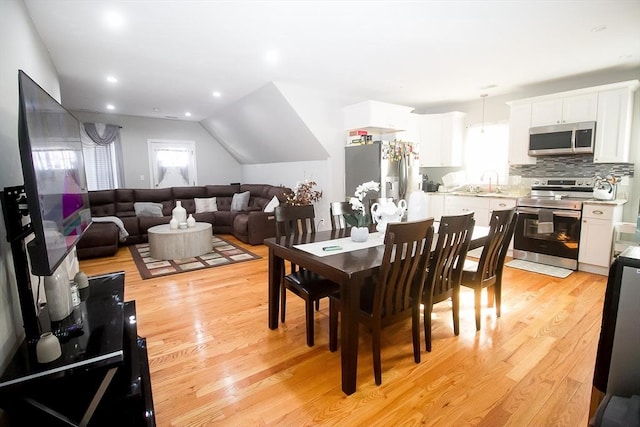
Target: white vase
[48, 348]
[173, 224]
[191, 221]
[58, 293]
[179, 213]
[359, 234]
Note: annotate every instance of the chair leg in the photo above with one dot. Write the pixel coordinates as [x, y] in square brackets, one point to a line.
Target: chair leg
[455, 299]
[498, 296]
[491, 294]
[377, 364]
[283, 301]
[428, 307]
[310, 322]
[333, 325]
[415, 332]
[477, 297]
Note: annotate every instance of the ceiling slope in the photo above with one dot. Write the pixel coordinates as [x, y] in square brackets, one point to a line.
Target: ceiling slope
[263, 127]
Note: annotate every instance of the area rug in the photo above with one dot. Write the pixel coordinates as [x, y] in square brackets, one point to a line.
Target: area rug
[535, 267]
[223, 253]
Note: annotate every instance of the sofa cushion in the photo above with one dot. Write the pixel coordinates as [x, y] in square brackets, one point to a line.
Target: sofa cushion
[158, 195]
[240, 201]
[148, 209]
[272, 205]
[102, 202]
[206, 205]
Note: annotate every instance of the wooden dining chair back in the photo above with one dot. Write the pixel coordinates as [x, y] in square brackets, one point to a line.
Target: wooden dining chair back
[396, 292]
[294, 220]
[487, 272]
[311, 287]
[337, 210]
[445, 268]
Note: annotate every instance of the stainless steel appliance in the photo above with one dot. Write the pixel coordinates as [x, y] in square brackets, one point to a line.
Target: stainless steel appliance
[569, 138]
[393, 164]
[548, 225]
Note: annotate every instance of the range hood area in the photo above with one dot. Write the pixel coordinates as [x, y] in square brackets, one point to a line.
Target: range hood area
[263, 127]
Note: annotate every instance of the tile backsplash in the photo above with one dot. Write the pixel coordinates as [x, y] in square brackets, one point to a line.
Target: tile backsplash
[574, 166]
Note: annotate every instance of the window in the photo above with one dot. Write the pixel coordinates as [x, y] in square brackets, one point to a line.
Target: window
[101, 160]
[486, 152]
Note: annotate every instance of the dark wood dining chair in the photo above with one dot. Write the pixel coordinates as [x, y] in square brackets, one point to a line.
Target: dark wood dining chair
[445, 268]
[336, 213]
[311, 287]
[396, 292]
[487, 271]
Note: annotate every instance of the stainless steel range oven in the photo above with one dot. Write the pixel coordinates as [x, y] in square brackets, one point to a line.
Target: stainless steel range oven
[548, 225]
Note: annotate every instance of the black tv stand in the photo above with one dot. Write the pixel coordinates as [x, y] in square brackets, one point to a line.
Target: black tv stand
[102, 377]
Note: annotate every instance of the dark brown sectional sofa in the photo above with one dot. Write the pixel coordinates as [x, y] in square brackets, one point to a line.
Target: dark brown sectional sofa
[250, 226]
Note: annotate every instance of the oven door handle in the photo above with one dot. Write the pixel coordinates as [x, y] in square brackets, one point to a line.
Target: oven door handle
[564, 213]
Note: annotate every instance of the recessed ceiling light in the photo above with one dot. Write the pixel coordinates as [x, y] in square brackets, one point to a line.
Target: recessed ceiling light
[188, 114]
[114, 20]
[217, 94]
[271, 57]
[112, 79]
[110, 107]
[598, 28]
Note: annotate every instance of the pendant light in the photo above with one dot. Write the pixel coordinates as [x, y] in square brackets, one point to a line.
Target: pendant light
[484, 98]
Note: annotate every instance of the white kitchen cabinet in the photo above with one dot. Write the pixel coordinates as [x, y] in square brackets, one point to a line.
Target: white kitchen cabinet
[482, 206]
[435, 205]
[501, 203]
[519, 124]
[441, 138]
[459, 205]
[613, 126]
[596, 236]
[579, 108]
[377, 117]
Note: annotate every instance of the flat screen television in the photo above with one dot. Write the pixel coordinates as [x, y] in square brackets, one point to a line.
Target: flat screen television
[54, 176]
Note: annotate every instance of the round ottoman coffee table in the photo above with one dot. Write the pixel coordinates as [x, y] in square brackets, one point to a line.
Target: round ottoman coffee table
[165, 243]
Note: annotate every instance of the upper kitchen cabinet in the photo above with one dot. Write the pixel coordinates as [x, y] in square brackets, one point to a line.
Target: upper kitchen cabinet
[441, 138]
[613, 126]
[519, 124]
[377, 117]
[573, 109]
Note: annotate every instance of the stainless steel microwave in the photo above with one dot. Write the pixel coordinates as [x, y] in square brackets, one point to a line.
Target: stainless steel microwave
[570, 138]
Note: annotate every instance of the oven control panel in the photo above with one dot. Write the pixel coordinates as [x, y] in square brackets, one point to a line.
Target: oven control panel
[564, 182]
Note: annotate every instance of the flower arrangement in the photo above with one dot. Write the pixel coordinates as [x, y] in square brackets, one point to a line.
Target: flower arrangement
[303, 194]
[360, 216]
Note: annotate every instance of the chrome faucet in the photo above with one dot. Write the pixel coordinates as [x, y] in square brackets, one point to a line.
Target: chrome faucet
[490, 172]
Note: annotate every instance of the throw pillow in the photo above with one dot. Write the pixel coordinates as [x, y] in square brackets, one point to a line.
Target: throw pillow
[206, 205]
[240, 201]
[148, 209]
[272, 205]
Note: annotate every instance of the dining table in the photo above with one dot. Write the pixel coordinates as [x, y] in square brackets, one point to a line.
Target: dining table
[333, 255]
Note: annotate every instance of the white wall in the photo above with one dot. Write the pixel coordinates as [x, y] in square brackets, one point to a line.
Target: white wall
[21, 48]
[214, 164]
[322, 113]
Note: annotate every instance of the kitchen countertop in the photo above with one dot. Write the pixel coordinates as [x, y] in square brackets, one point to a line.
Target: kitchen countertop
[615, 202]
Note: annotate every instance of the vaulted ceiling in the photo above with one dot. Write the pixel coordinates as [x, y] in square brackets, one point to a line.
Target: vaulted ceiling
[169, 57]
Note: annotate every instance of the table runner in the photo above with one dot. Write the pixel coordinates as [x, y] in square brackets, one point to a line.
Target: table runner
[345, 244]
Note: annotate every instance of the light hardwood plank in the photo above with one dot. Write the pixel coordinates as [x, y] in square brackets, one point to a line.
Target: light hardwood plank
[214, 361]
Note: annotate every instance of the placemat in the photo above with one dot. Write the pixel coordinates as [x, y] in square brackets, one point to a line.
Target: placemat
[344, 244]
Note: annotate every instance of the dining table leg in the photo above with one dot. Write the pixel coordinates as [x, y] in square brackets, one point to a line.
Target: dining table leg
[276, 266]
[349, 328]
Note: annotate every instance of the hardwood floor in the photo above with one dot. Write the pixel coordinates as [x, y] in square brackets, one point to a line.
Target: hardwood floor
[213, 359]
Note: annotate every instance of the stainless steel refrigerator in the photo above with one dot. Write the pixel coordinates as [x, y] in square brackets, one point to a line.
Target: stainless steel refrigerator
[395, 165]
